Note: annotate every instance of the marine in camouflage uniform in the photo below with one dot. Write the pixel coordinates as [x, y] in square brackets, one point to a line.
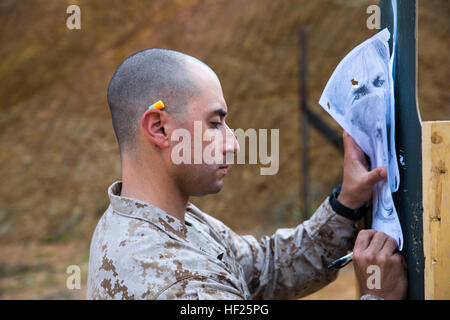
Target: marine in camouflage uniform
[138, 251]
[152, 243]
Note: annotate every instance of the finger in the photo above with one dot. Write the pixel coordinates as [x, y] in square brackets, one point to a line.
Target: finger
[376, 175]
[363, 239]
[398, 257]
[348, 140]
[352, 149]
[390, 246]
[377, 242]
[349, 143]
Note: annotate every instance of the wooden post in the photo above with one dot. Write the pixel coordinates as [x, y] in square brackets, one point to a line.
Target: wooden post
[436, 208]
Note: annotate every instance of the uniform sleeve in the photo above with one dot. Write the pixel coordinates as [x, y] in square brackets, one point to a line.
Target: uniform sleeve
[200, 288]
[293, 262]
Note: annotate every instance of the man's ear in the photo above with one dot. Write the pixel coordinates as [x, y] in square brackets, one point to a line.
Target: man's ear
[153, 122]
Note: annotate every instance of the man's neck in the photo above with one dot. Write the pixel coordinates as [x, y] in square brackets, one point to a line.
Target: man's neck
[153, 187]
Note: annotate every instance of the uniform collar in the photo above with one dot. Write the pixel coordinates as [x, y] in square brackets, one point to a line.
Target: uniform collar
[137, 209]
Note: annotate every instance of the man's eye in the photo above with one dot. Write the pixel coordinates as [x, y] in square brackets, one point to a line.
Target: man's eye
[216, 124]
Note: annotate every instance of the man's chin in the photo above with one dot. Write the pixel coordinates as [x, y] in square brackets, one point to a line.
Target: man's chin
[216, 188]
[211, 190]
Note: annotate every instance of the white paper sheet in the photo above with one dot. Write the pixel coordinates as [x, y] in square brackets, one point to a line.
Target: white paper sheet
[360, 97]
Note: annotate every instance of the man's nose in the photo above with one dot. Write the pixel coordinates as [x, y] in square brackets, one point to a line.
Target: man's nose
[231, 144]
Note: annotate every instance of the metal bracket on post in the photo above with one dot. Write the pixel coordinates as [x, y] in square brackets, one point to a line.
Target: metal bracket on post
[309, 117]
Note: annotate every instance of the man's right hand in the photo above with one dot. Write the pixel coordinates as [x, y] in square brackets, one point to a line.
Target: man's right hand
[378, 250]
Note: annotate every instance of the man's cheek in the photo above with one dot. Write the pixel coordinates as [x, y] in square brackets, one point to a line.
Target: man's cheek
[212, 147]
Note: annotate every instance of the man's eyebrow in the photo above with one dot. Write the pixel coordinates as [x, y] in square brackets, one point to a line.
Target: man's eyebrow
[221, 112]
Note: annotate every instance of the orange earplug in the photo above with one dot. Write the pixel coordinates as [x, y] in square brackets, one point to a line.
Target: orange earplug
[157, 105]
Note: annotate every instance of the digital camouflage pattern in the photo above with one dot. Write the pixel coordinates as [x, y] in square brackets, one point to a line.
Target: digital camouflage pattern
[139, 251]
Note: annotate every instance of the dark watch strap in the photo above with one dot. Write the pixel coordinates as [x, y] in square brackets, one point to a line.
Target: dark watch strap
[340, 209]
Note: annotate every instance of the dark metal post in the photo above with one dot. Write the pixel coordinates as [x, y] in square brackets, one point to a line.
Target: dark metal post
[304, 122]
[408, 199]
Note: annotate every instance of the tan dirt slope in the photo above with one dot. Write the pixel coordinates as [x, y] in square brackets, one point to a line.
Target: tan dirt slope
[58, 151]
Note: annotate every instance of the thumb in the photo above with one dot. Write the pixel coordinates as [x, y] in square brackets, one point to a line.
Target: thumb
[376, 175]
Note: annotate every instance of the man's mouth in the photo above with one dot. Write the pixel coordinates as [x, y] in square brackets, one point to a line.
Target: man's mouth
[224, 168]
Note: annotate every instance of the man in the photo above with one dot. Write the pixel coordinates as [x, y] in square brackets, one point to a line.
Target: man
[152, 243]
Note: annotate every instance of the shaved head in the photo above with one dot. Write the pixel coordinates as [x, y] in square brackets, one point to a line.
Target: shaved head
[144, 78]
[152, 141]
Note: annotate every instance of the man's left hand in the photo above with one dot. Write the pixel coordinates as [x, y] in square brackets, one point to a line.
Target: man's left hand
[358, 181]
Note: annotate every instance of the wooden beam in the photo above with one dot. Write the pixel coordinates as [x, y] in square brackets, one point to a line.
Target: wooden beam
[436, 208]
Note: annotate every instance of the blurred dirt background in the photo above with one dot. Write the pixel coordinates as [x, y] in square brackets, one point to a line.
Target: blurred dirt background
[58, 152]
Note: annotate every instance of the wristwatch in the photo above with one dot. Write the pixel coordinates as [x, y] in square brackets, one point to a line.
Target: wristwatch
[340, 209]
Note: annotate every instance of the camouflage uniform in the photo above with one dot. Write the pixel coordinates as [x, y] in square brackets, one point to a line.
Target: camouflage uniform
[139, 251]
